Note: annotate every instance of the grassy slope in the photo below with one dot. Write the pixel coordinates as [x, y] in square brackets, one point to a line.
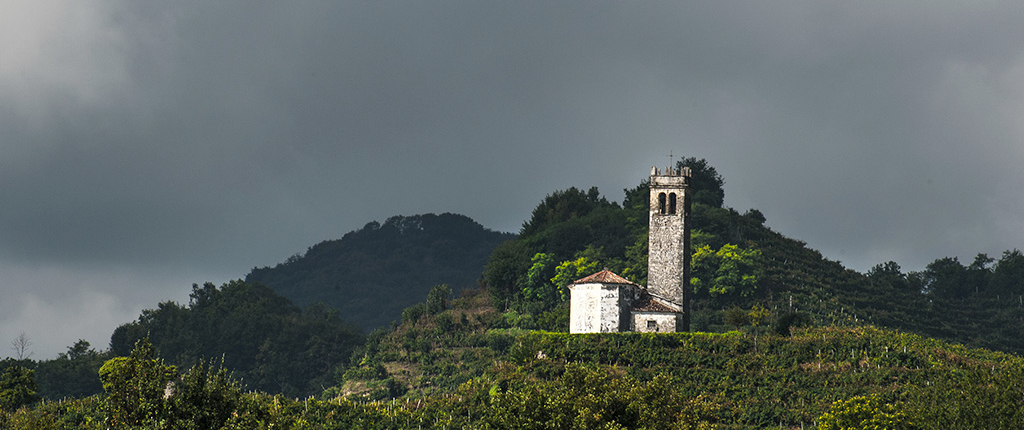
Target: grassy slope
[754, 381]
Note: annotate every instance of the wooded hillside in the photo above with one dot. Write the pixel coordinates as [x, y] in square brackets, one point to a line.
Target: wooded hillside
[371, 274]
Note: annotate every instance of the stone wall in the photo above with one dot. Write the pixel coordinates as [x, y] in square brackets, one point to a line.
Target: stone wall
[668, 241]
[655, 322]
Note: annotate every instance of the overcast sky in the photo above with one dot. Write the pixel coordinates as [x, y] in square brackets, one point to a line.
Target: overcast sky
[146, 146]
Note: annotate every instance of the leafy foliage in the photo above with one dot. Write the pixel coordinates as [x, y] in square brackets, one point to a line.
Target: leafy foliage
[269, 343]
[17, 387]
[864, 412]
[537, 285]
[592, 397]
[371, 274]
[143, 392]
[204, 398]
[437, 298]
[563, 224]
[136, 386]
[709, 186]
[72, 373]
[727, 271]
[569, 271]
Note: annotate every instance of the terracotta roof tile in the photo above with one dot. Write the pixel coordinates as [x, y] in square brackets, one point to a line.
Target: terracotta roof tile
[604, 277]
[651, 304]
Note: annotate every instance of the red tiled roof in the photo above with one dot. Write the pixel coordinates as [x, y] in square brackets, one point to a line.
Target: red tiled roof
[651, 304]
[604, 277]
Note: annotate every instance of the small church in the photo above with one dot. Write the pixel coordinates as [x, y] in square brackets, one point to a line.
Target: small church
[606, 303]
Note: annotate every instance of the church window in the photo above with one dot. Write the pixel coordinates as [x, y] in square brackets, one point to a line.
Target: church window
[672, 204]
[661, 203]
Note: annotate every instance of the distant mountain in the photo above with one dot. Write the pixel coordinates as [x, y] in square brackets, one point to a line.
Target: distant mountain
[371, 274]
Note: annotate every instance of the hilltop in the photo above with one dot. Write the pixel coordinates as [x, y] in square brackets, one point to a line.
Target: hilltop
[371, 274]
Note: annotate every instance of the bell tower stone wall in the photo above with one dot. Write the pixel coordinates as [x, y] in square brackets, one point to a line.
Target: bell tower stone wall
[668, 265]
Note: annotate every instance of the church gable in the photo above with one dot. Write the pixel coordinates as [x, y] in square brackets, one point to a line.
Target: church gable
[600, 303]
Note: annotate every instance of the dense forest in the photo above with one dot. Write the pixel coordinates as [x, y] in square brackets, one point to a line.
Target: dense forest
[783, 338]
[371, 274]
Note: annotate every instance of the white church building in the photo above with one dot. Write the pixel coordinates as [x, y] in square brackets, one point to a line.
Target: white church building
[606, 303]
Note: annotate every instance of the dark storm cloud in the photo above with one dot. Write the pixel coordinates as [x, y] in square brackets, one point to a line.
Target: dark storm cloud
[148, 146]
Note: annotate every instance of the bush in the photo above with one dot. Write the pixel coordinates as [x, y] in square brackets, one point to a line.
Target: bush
[17, 387]
[445, 322]
[864, 412]
[413, 313]
[437, 298]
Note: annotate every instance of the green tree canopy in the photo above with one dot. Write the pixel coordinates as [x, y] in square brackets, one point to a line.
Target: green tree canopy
[708, 185]
[17, 387]
[728, 271]
[437, 298]
[272, 344]
[143, 392]
[562, 206]
[569, 271]
[136, 386]
[1008, 277]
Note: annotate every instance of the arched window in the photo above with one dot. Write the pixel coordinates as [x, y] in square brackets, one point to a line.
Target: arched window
[672, 204]
[661, 203]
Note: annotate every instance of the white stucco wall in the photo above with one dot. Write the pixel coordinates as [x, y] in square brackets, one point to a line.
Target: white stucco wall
[599, 308]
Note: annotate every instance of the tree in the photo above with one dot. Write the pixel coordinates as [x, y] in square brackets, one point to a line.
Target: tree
[136, 387]
[204, 398]
[413, 313]
[569, 271]
[707, 184]
[20, 346]
[437, 298]
[979, 274]
[636, 260]
[888, 275]
[788, 320]
[17, 387]
[946, 278]
[562, 206]
[1008, 276]
[755, 215]
[636, 202]
[72, 373]
[736, 317]
[143, 392]
[508, 262]
[537, 282]
[728, 271]
[758, 315]
[270, 343]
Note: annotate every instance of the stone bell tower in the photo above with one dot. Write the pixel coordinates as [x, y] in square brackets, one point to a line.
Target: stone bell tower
[668, 243]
